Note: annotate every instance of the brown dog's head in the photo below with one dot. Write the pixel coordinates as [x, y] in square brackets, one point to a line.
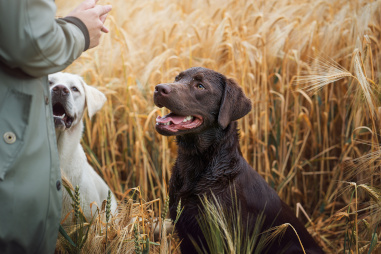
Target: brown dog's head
[199, 99]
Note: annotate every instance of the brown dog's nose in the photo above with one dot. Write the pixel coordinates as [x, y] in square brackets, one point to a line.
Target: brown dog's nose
[163, 89]
[61, 90]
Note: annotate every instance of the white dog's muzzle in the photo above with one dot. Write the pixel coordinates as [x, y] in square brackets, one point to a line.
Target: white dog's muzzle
[63, 118]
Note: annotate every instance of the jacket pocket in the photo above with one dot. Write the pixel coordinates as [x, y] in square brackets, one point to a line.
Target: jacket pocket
[14, 117]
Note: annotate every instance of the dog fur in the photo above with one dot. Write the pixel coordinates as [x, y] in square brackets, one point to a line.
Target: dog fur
[204, 107]
[70, 96]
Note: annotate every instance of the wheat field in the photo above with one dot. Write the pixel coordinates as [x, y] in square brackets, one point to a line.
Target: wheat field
[313, 72]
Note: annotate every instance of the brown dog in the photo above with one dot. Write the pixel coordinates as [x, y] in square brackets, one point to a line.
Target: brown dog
[204, 106]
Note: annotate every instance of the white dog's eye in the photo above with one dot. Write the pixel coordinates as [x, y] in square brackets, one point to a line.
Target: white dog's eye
[75, 89]
[50, 83]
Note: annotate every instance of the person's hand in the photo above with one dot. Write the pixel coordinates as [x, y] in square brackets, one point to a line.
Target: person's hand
[93, 16]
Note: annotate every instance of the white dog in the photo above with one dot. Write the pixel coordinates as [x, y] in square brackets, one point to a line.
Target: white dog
[70, 96]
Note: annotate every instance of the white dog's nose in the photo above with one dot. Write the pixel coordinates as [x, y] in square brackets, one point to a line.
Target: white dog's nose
[61, 90]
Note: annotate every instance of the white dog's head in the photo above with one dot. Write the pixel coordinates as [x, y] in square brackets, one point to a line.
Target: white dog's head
[70, 95]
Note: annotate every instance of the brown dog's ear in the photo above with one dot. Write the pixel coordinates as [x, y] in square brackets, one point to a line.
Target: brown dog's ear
[234, 104]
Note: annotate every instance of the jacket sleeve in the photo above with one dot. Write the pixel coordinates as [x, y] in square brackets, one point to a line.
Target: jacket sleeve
[34, 41]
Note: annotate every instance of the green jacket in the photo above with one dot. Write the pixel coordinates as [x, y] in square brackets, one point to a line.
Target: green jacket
[33, 44]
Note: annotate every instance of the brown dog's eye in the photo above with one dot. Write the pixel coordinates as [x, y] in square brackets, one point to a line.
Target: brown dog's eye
[177, 78]
[200, 86]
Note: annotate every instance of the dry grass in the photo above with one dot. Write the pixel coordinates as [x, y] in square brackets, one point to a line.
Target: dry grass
[303, 143]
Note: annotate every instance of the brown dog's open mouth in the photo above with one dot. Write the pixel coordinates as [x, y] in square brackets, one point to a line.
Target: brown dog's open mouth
[61, 118]
[174, 123]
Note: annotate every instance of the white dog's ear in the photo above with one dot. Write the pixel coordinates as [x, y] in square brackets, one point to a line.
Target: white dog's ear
[95, 99]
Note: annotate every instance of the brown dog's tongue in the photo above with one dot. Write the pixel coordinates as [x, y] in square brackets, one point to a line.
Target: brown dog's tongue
[176, 119]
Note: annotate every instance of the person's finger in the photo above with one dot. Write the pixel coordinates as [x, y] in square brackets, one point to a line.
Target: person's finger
[92, 2]
[103, 18]
[105, 29]
[102, 9]
[87, 4]
[95, 2]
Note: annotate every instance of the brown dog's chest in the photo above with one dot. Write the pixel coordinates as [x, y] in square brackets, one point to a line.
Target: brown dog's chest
[193, 175]
[191, 193]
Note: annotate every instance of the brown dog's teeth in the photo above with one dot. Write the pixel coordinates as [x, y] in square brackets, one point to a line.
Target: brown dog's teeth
[167, 123]
[188, 118]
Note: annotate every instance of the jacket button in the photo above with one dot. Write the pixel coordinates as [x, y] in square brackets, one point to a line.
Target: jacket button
[9, 137]
[58, 185]
[46, 100]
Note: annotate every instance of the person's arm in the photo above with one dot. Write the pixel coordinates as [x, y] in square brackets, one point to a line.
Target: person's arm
[34, 41]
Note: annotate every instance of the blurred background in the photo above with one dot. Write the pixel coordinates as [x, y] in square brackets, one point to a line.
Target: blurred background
[312, 70]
